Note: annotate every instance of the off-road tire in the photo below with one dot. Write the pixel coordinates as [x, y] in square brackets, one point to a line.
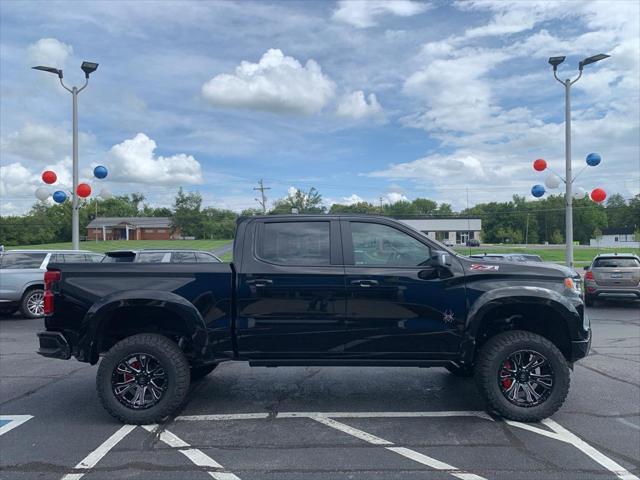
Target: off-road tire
[24, 302]
[463, 371]
[172, 360]
[202, 371]
[490, 361]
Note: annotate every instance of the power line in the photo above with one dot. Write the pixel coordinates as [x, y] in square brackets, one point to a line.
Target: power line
[263, 202]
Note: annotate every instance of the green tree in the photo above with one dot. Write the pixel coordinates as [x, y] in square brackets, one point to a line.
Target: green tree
[304, 201]
[360, 207]
[186, 216]
[424, 206]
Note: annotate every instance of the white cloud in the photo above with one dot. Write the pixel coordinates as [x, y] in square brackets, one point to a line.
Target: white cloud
[364, 13]
[38, 143]
[16, 179]
[394, 197]
[277, 83]
[356, 106]
[352, 199]
[49, 52]
[133, 161]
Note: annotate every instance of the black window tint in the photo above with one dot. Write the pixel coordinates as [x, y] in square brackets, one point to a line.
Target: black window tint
[11, 260]
[296, 243]
[183, 257]
[205, 258]
[381, 245]
[150, 257]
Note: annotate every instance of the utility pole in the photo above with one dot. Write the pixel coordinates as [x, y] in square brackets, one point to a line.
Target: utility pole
[263, 199]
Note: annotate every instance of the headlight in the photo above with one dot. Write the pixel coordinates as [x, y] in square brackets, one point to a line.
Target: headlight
[575, 285]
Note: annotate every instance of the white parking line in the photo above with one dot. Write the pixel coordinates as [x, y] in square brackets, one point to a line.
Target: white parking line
[94, 457]
[13, 421]
[197, 457]
[563, 435]
[257, 416]
[405, 452]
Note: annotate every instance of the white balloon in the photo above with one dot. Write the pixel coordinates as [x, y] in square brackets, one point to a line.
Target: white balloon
[42, 193]
[579, 192]
[552, 181]
[105, 194]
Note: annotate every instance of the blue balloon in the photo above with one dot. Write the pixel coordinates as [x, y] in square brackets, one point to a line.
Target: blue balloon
[593, 159]
[100, 171]
[59, 196]
[537, 191]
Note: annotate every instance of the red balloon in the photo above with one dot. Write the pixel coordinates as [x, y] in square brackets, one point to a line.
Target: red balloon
[83, 190]
[598, 195]
[49, 177]
[539, 165]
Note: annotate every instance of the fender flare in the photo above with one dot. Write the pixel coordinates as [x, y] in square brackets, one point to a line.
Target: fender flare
[98, 314]
[517, 295]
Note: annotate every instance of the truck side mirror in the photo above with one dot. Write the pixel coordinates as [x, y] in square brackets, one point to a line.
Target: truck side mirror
[440, 259]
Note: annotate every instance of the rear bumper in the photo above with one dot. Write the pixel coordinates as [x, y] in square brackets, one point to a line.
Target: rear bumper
[54, 345]
[614, 292]
[580, 348]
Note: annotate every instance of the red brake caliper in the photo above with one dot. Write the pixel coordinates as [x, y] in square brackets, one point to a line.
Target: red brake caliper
[128, 376]
[506, 382]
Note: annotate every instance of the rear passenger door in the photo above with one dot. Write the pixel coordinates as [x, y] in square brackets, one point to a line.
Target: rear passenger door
[291, 292]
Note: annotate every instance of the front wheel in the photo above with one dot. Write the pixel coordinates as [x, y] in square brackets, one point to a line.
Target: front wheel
[143, 379]
[32, 303]
[522, 376]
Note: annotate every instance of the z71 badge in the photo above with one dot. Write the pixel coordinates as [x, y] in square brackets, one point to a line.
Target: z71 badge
[477, 266]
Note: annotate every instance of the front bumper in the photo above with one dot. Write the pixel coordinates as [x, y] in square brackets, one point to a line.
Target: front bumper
[54, 345]
[580, 348]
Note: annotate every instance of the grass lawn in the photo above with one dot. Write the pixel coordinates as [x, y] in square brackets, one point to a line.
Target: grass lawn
[581, 255]
[101, 247]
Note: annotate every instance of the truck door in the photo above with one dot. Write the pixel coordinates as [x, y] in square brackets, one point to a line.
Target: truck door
[398, 304]
[291, 293]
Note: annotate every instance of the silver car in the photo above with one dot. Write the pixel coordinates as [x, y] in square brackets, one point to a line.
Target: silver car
[612, 275]
[22, 276]
[160, 256]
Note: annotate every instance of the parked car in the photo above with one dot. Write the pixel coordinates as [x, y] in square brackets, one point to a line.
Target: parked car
[612, 275]
[22, 284]
[319, 290]
[473, 242]
[160, 256]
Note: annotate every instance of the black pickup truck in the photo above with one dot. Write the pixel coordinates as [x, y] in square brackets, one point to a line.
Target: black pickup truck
[319, 290]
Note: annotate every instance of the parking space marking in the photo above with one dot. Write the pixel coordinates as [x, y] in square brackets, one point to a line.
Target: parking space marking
[563, 435]
[197, 457]
[626, 422]
[254, 416]
[9, 422]
[405, 452]
[94, 457]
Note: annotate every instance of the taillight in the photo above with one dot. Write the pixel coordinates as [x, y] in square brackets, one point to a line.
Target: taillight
[588, 275]
[50, 277]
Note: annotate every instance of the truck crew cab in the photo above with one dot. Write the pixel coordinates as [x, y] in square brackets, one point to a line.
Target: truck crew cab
[319, 290]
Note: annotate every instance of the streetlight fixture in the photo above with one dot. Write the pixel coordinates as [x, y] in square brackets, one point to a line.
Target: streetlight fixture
[88, 68]
[555, 61]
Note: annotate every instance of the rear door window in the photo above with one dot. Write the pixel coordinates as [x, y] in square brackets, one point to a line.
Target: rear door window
[17, 260]
[205, 258]
[150, 257]
[183, 257]
[295, 243]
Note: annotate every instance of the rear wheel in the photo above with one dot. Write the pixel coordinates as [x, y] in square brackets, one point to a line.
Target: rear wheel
[32, 303]
[143, 379]
[522, 376]
[589, 300]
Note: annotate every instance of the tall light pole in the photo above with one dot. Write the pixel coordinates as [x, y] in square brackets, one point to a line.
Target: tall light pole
[88, 68]
[568, 199]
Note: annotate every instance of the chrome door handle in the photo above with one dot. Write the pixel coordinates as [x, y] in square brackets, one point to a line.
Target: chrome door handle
[365, 283]
[259, 282]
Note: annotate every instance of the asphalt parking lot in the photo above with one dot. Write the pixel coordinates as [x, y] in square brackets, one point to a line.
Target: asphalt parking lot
[322, 423]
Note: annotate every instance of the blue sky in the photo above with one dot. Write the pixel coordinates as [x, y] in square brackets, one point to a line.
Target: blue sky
[360, 99]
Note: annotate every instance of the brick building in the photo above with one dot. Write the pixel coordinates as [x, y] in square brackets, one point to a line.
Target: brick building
[131, 228]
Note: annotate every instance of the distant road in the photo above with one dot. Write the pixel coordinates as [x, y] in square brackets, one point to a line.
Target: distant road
[218, 252]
